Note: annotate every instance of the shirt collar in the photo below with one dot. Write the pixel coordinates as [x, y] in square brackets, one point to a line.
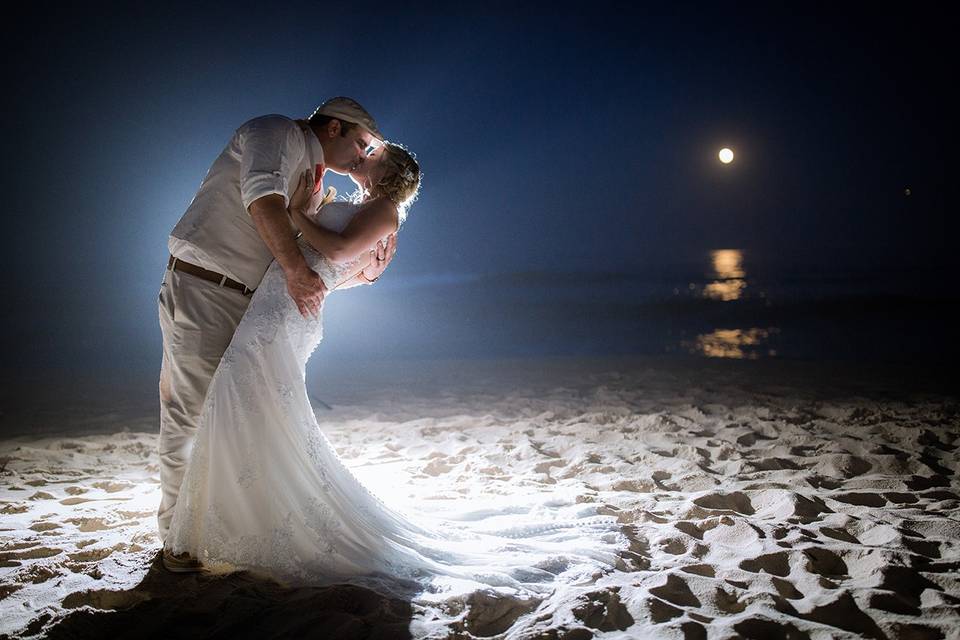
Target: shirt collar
[314, 148]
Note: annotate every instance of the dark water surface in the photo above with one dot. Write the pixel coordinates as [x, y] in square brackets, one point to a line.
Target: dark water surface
[721, 306]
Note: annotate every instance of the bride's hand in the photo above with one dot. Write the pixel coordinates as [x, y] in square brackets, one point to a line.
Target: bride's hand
[380, 258]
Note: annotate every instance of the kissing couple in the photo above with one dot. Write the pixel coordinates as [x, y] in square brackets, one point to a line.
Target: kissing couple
[249, 481]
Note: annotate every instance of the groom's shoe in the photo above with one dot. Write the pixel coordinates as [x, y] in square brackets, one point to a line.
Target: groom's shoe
[181, 563]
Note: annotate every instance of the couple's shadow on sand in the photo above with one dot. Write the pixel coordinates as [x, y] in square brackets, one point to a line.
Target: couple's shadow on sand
[238, 605]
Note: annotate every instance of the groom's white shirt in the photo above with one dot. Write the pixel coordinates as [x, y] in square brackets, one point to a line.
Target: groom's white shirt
[266, 155]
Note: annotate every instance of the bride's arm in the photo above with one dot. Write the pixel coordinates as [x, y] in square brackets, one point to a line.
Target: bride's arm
[353, 282]
[374, 267]
[374, 221]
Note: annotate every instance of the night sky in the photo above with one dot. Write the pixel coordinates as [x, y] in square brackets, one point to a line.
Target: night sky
[576, 138]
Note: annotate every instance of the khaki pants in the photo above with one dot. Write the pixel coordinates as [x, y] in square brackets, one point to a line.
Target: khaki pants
[197, 319]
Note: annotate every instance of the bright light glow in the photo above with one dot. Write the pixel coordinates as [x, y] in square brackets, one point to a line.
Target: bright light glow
[738, 344]
[726, 155]
[729, 274]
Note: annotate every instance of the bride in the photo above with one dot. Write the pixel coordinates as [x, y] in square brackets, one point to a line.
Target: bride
[266, 492]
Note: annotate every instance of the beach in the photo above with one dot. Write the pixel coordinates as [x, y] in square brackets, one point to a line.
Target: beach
[760, 499]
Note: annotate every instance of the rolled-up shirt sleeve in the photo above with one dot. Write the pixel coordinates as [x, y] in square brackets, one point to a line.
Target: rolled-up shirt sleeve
[271, 148]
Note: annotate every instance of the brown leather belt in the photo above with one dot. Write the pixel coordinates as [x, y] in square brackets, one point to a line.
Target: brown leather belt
[179, 265]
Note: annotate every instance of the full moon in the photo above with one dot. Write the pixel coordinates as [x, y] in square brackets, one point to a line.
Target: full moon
[726, 155]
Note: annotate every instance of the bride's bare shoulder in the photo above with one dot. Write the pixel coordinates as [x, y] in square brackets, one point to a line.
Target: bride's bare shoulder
[381, 208]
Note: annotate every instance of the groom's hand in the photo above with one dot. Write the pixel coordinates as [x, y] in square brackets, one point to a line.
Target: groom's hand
[307, 290]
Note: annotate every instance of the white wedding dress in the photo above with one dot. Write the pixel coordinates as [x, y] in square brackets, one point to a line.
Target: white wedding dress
[266, 492]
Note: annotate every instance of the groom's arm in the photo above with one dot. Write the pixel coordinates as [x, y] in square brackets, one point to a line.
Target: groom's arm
[269, 214]
[269, 147]
[304, 285]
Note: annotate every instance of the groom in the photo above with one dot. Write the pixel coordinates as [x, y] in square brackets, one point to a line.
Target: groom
[236, 225]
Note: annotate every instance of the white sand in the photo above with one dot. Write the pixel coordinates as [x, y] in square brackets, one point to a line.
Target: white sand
[759, 506]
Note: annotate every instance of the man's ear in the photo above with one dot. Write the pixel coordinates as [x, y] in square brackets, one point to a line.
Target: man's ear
[333, 128]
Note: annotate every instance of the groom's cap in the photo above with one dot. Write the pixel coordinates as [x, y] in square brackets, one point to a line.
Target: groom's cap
[349, 110]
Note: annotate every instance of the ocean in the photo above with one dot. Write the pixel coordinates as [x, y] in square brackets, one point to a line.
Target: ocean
[722, 305]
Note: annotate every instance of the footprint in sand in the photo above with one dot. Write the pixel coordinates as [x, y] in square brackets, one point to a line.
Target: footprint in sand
[488, 613]
[735, 502]
[786, 589]
[843, 613]
[841, 465]
[87, 525]
[820, 482]
[603, 611]
[660, 480]
[91, 555]
[673, 546]
[791, 507]
[8, 589]
[697, 529]
[30, 554]
[104, 599]
[544, 467]
[634, 486]
[676, 591]
[920, 483]
[761, 628]
[436, 467]
[637, 556]
[774, 464]
[824, 562]
[839, 534]
[750, 439]
[894, 603]
[777, 564]
[661, 611]
[915, 631]
[91, 570]
[133, 515]
[803, 451]
[728, 602]
[11, 508]
[861, 499]
[704, 570]
[928, 548]
[37, 574]
[112, 487]
[693, 630]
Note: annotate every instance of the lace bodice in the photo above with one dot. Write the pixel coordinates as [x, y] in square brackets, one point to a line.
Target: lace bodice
[334, 216]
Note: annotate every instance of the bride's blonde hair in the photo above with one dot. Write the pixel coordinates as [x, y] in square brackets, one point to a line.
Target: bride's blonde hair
[400, 182]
